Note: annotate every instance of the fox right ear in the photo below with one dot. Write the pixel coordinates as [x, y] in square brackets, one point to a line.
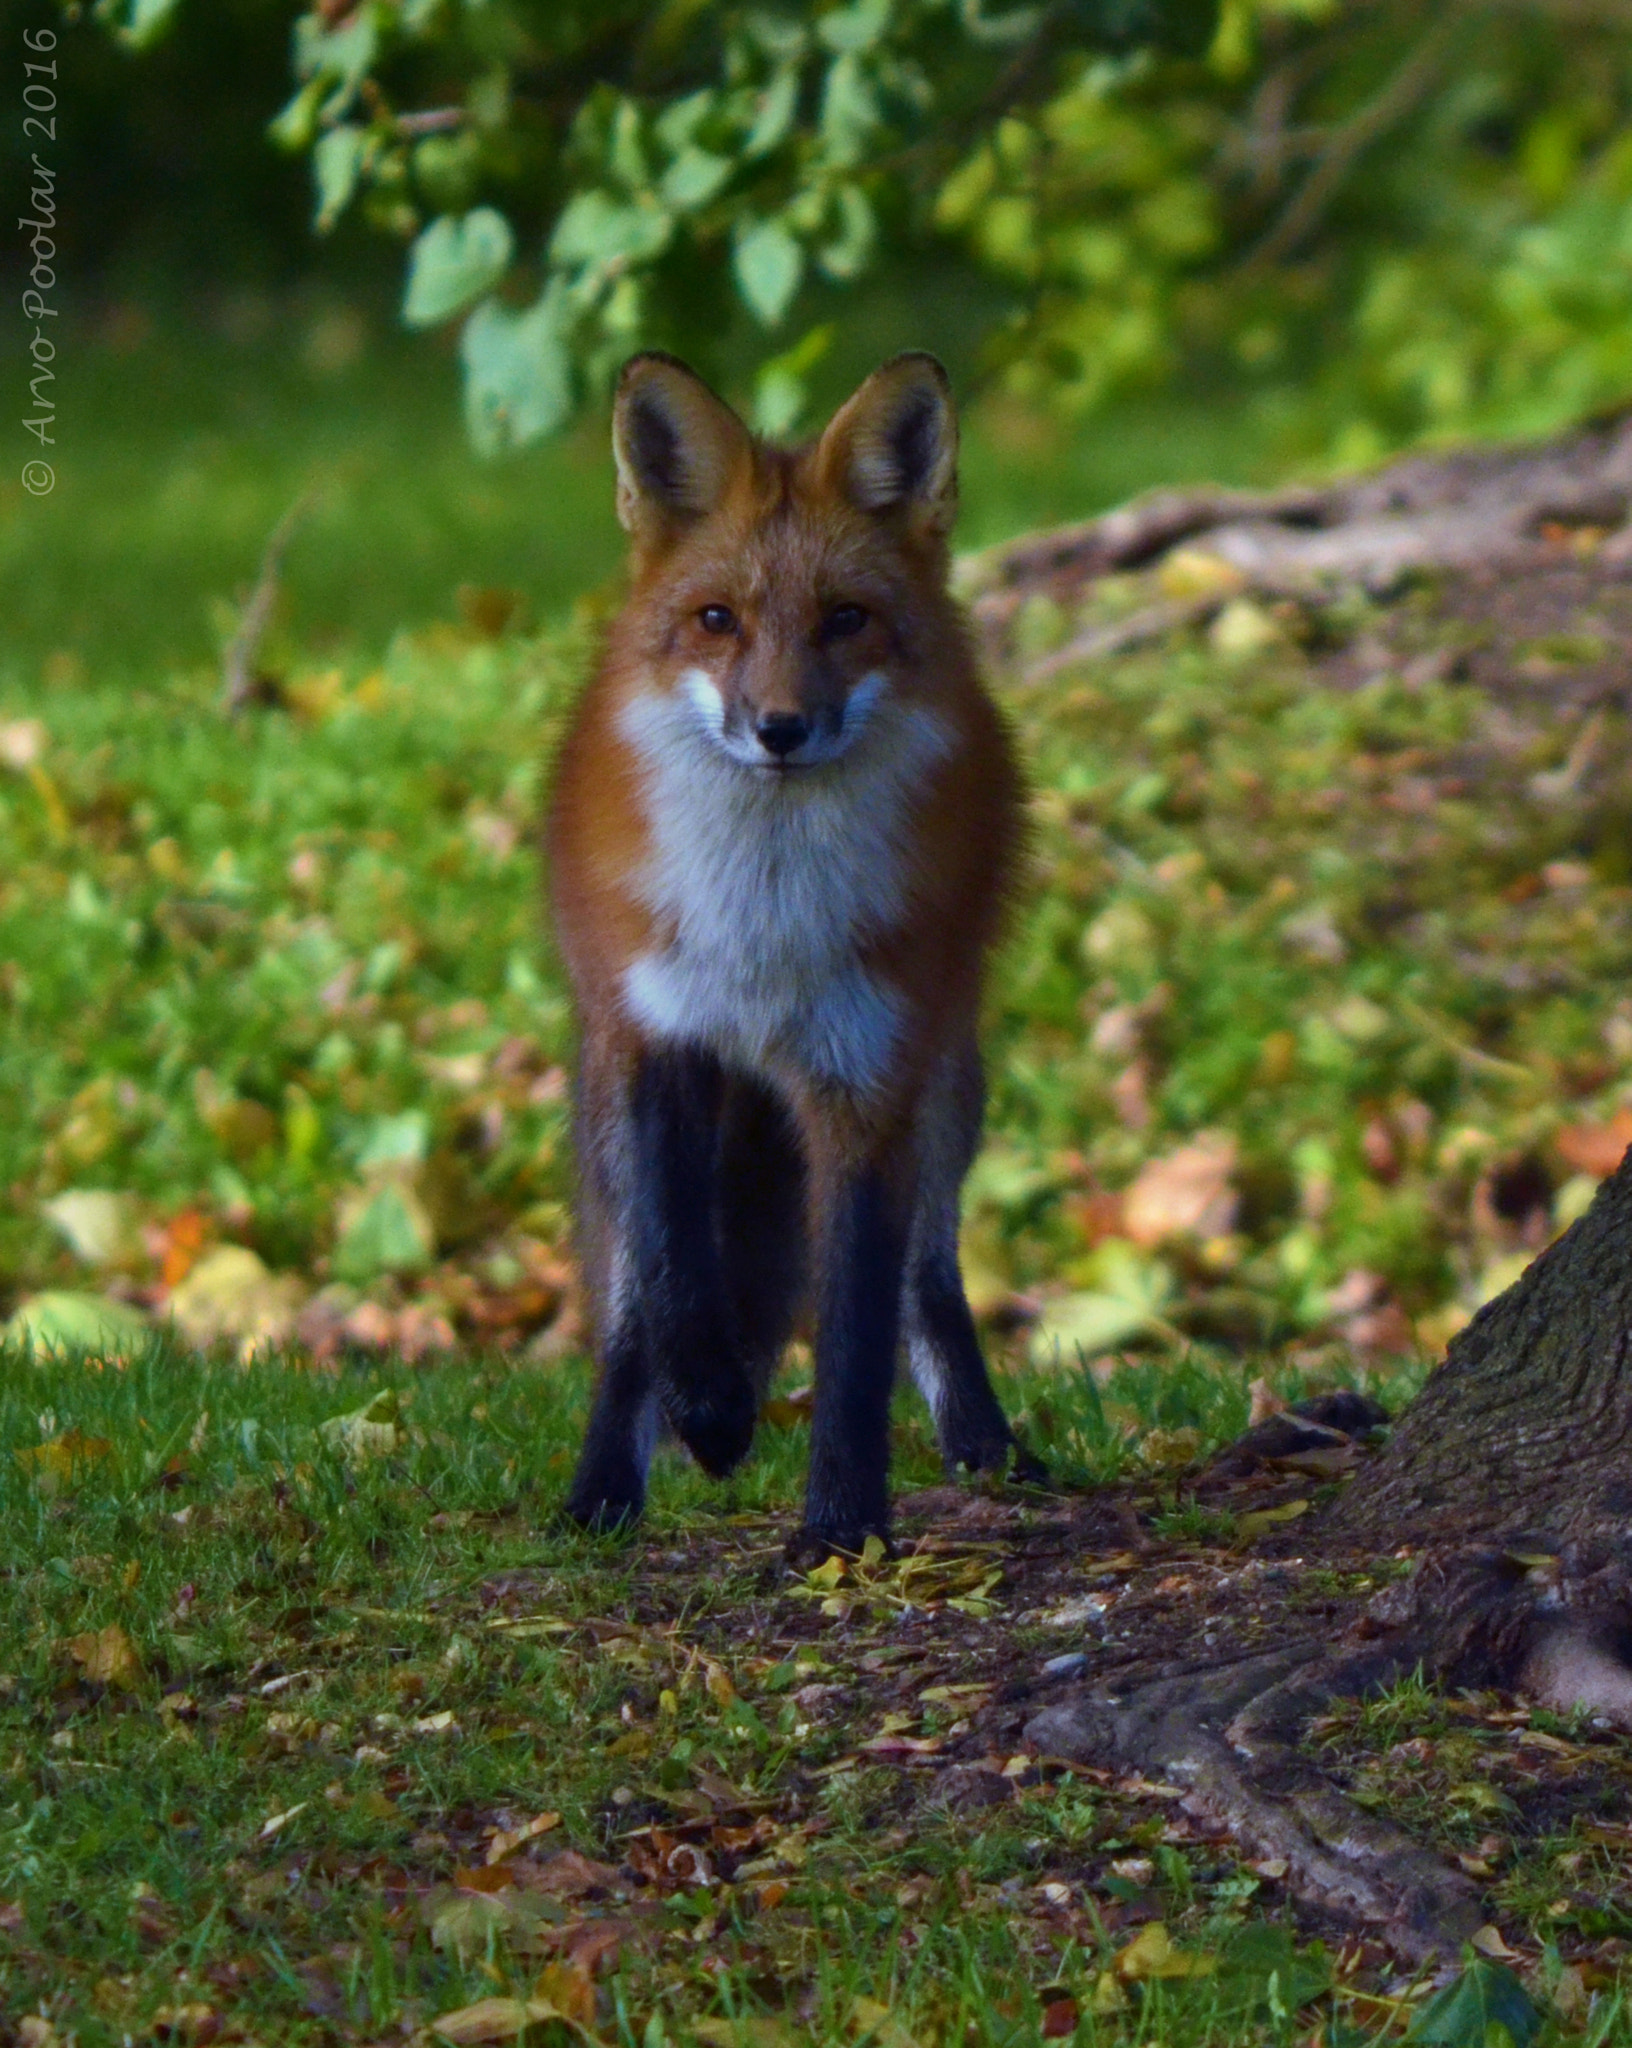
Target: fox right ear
[677, 445]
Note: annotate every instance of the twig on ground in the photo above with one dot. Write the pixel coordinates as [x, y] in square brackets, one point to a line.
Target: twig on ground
[238, 674]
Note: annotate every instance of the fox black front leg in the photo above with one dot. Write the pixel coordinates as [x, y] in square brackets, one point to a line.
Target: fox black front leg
[704, 1386]
[861, 1251]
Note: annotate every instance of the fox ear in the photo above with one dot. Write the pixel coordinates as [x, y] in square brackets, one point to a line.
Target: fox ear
[894, 445]
[676, 444]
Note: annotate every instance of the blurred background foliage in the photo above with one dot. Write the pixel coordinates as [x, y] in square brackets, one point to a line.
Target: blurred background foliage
[1371, 220]
[1313, 1026]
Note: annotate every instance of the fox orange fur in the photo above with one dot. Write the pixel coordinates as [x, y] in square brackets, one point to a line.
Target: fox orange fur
[786, 826]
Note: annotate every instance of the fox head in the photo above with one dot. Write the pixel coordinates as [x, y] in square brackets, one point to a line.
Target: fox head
[786, 596]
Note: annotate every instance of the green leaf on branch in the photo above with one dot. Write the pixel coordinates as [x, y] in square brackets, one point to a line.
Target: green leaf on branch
[769, 265]
[518, 371]
[780, 391]
[337, 161]
[455, 261]
[599, 232]
[693, 179]
[774, 115]
[137, 22]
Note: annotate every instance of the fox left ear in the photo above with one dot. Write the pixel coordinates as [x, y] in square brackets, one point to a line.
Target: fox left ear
[677, 446]
[894, 445]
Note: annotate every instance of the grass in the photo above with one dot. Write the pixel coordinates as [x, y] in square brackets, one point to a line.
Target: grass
[1317, 929]
[339, 1676]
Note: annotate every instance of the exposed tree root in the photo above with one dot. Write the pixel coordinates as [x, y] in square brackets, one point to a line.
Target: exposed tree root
[1228, 1733]
[1490, 509]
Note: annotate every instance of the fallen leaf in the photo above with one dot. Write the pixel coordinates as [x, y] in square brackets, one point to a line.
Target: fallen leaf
[492, 2019]
[1186, 1193]
[569, 1874]
[1488, 1941]
[568, 1988]
[749, 2030]
[507, 1841]
[1265, 1403]
[62, 1460]
[1151, 1954]
[107, 1657]
[367, 1432]
[1060, 2016]
[462, 1921]
[1261, 1521]
[57, 1325]
[101, 1228]
[871, 2021]
[194, 2021]
[1464, 2015]
[230, 1297]
[1596, 1149]
[1109, 1997]
[271, 1829]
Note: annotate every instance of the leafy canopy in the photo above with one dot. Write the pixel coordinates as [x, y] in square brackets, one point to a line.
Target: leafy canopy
[1388, 220]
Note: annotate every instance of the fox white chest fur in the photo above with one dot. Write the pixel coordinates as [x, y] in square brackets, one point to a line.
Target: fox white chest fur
[767, 885]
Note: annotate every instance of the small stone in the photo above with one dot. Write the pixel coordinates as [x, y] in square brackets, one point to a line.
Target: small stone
[1072, 1665]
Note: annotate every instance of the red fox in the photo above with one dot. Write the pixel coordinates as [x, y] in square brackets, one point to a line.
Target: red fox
[787, 823]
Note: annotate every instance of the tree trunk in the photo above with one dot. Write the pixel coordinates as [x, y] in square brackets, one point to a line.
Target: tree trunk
[1508, 1482]
[1524, 1434]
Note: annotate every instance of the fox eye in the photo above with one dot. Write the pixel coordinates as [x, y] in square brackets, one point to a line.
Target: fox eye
[717, 618]
[843, 621]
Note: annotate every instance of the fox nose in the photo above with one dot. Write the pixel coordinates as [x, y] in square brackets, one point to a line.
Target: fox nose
[782, 733]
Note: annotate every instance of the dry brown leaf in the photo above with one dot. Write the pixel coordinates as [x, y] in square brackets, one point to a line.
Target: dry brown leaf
[1596, 1149]
[568, 1875]
[1060, 2016]
[568, 1987]
[1186, 1193]
[1265, 1403]
[107, 1657]
[195, 2021]
[491, 2019]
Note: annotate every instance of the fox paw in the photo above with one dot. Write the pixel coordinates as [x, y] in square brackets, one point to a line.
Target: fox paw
[813, 1544]
[1002, 1457]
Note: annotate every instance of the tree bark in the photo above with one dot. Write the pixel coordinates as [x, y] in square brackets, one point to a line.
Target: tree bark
[1508, 1482]
[1523, 1435]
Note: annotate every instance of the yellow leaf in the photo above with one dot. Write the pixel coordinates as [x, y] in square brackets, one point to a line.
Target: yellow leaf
[1152, 1954]
[61, 1461]
[720, 1688]
[1488, 1941]
[829, 1575]
[508, 1841]
[1250, 1527]
[749, 2030]
[271, 1829]
[568, 1990]
[107, 1657]
[1109, 1997]
[875, 2022]
[489, 2019]
[873, 1553]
